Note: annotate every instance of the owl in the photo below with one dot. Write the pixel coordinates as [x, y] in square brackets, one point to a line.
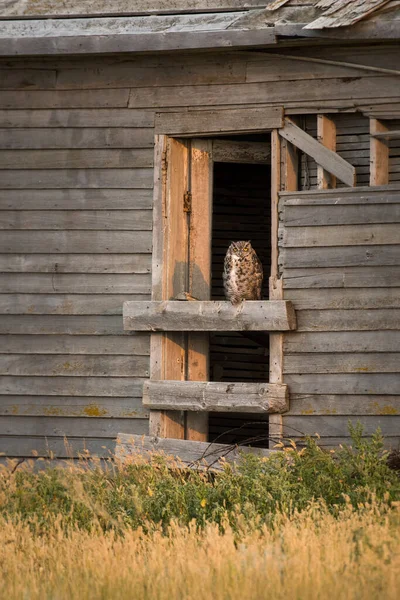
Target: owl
[243, 273]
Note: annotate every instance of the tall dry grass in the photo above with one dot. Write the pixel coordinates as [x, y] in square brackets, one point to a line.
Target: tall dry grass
[308, 555]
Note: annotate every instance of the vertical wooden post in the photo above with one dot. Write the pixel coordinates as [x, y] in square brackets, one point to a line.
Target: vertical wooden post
[284, 175]
[170, 261]
[379, 154]
[199, 272]
[326, 134]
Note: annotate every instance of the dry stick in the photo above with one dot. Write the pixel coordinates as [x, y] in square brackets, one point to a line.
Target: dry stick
[338, 63]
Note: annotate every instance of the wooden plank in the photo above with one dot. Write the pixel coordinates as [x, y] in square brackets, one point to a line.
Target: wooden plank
[69, 283]
[306, 216]
[62, 324]
[158, 419]
[322, 95]
[344, 383]
[347, 256]
[52, 8]
[75, 366]
[329, 160]
[65, 304]
[241, 152]
[31, 99]
[379, 154]
[380, 132]
[200, 234]
[370, 362]
[73, 242]
[284, 175]
[348, 320]
[341, 14]
[343, 277]
[344, 298]
[341, 235]
[309, 404]
[31, 79]
[76, 137]
[326, 135]
[133, 220]
[76, 199]
[72, 406]
[344, 196]
[212, 122]
[289, 166]
[216, 397]
[131, 73]
[75, 263]
[342, 341]
[186, 453]
[338, 425]
[69, 426]
[84, 118]
[87, 39]
[105, 387]
[76, 159]
[170, 274]
[131, 345]
[55, 446]
[88, 178]
[275, 315]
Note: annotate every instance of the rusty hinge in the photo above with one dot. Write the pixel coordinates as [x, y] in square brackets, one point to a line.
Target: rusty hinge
[187, 202]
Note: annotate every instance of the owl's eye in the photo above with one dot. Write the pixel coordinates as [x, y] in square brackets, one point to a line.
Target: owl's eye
[246, 248]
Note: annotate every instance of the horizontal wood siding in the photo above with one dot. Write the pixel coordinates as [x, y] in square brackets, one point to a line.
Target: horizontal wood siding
[343, 360]
[76, 177]
[76, 220]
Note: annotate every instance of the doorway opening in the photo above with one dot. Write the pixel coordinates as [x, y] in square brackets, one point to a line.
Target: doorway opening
[241, 211]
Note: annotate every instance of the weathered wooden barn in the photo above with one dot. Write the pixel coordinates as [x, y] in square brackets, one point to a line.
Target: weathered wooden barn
[137, 139]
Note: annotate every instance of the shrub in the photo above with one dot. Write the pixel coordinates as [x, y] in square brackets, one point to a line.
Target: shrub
[145, 495]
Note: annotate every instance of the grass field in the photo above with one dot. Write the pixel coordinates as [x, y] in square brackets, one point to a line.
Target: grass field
[301, 525]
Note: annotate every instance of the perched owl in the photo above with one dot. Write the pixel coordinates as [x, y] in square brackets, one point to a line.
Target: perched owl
[243, 273]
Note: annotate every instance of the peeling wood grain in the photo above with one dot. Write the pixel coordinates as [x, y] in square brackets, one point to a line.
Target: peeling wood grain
[209, 316]
[215, 397]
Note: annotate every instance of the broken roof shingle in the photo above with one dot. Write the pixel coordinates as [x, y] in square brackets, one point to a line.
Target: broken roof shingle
[342, 13]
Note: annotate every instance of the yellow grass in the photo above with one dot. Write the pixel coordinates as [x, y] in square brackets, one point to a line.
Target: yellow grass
[311, 555]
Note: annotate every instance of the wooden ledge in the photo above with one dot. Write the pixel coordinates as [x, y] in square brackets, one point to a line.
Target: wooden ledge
[216, 397]
[186, 454]
[268, 315]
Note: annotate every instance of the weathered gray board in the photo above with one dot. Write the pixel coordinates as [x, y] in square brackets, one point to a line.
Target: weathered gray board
[67, 286]
[269, 315]
[184, 453]
[131, 34]
[344, 358]
[216, 397]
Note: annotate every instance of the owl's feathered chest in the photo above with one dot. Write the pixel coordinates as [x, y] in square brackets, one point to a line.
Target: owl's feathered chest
[242, 276]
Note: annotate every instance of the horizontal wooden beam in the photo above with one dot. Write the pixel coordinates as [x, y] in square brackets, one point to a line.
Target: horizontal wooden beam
[329, 160]
[276, 315]
[185, 453]
[217, 121]
[135, 42]
[394, 134]
[216, 396]
[241, 152]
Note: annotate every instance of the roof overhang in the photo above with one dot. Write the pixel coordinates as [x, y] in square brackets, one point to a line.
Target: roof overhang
[132, 34]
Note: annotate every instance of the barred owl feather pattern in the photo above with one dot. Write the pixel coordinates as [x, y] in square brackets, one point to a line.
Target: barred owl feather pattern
[243, 273]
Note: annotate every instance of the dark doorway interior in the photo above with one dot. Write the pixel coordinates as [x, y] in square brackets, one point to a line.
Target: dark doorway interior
[241, 211]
